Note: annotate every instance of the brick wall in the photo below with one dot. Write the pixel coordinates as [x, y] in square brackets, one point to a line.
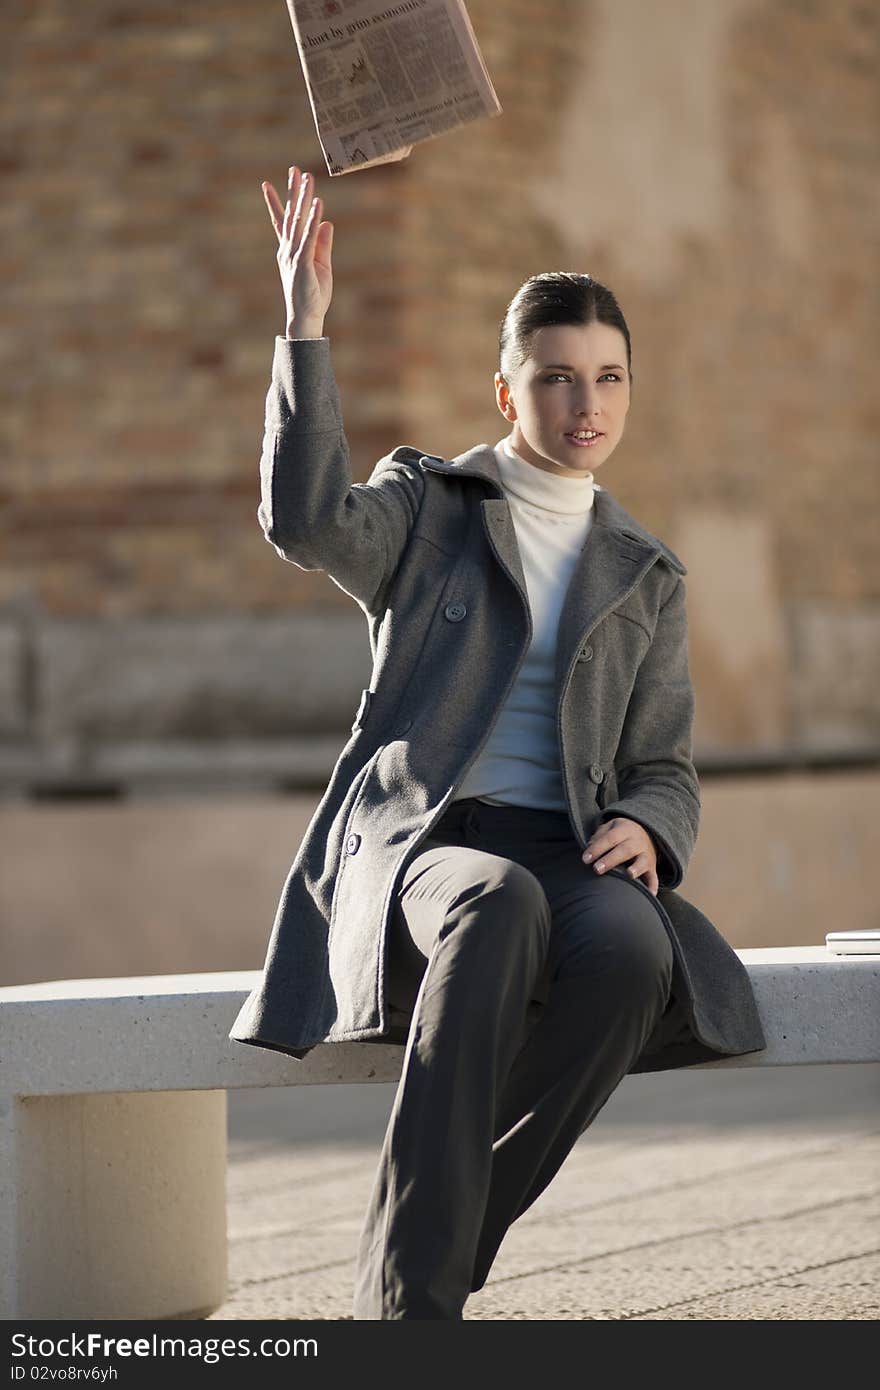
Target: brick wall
[716, 165]
[138, 336]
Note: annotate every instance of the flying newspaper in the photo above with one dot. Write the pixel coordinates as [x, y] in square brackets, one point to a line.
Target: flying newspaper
[384, 77]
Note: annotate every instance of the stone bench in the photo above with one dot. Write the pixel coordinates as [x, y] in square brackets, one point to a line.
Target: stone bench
[113, 1120]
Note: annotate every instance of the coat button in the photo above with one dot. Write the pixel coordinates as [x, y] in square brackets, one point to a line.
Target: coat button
[586, 653]
[455, 612]
[403, 728]
[352, 844]
[596, 773]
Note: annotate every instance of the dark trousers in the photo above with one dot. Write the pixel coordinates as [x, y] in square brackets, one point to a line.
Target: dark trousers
[495, 912]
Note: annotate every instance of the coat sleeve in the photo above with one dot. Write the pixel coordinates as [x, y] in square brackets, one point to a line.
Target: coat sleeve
[310, 510]
[656, 780]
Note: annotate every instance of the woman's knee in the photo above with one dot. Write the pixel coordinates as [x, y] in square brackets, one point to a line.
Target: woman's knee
[505, 900]
[626, 940]
[642, 949]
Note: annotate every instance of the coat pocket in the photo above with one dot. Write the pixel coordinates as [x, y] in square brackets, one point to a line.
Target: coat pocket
[349, 842]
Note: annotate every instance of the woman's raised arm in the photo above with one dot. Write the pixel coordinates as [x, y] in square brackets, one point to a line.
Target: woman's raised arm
[310, 510]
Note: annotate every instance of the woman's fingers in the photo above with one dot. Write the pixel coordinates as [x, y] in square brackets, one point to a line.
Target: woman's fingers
[297, 213]
[618, 841]
[276, 211]
[643, 868]
[281, 215]
[624, 841]
[310, 231]
[323, 242]
[647, 876]
[289, 211]
[638, 865]
[298, 223]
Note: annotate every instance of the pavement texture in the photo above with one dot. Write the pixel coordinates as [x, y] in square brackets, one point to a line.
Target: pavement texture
[718, 1194]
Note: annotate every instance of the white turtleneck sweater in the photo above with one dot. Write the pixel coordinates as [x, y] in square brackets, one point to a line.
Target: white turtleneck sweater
[552, 516]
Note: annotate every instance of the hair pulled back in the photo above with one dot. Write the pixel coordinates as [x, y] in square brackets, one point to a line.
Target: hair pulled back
[553, 297]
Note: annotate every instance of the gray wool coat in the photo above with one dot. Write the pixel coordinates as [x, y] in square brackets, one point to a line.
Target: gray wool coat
[427, 549]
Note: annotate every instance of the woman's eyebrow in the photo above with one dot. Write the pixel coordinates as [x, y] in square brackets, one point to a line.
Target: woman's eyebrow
[565, 367]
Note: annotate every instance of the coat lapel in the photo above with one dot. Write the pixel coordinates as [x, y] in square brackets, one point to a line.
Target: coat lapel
[480, 462]
[501, 533]
[609, 567]
[617, 553]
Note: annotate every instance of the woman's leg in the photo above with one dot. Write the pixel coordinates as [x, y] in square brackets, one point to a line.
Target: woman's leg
[611, 962]
[483, 923]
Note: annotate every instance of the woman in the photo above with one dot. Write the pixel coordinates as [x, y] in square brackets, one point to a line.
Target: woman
[491, 872]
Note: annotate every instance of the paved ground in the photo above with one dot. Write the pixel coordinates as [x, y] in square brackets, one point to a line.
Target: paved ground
[695, 1195]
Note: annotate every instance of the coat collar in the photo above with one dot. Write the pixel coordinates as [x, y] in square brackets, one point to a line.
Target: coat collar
[480, 462]
[617, 554]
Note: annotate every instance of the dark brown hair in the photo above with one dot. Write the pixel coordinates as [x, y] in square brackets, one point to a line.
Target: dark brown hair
[555, 296]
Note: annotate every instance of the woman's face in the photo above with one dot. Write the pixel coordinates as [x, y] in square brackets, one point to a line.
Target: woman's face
[575, 379]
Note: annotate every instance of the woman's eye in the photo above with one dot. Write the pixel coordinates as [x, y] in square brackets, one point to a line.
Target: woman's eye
[559, 376]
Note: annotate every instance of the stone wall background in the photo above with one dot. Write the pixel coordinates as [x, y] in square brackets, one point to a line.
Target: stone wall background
[715, 164]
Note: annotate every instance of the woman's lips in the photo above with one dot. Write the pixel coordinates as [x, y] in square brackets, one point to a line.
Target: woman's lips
[584, 443]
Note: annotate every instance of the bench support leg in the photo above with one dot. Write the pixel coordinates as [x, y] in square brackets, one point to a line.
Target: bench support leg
[113, 1206]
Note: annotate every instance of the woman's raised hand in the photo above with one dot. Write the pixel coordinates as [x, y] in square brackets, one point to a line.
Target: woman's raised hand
[304, 244]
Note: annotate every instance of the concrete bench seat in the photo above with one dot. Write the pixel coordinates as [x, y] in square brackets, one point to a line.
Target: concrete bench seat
[113, 1119]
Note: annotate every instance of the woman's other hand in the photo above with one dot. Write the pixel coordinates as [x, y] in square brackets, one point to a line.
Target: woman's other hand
[304, 245]
[619, 840]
